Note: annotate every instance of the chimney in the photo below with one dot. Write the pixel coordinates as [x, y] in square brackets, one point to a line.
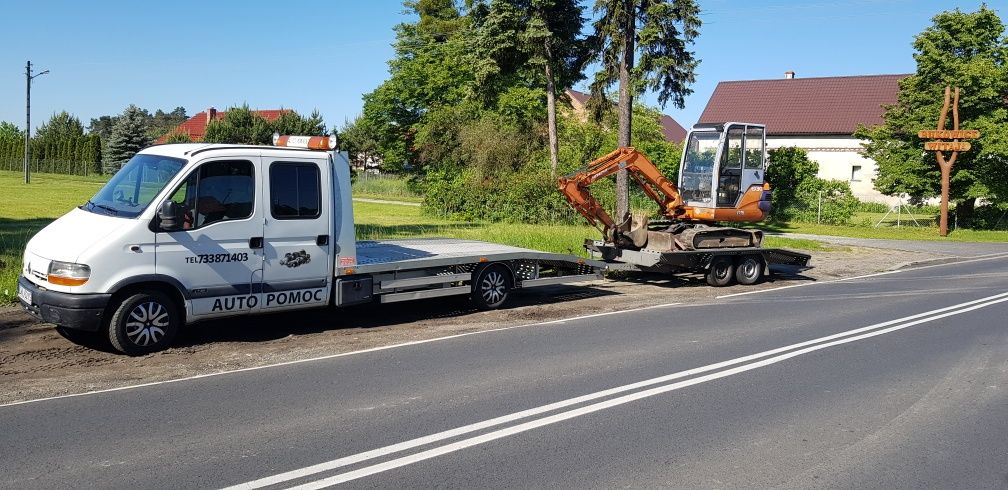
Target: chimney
[211, 114]
[789, 75]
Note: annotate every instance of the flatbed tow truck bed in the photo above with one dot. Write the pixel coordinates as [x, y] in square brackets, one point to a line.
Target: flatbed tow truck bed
[431, 267]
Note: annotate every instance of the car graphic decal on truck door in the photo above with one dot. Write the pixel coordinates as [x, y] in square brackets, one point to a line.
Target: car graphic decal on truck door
[295, 259]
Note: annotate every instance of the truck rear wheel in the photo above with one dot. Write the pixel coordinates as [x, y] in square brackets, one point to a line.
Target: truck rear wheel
[144, 322]
[749, 269]
[492, 286]
[721, 272]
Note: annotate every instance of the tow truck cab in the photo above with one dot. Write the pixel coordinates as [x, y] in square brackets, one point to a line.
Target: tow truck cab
[188, 232]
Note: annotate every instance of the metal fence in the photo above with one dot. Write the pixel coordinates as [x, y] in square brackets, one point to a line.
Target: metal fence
[52, 166]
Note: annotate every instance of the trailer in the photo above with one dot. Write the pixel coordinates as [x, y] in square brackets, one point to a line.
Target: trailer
[720, 266]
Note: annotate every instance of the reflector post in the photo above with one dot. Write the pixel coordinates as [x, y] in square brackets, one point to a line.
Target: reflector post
[310, 142]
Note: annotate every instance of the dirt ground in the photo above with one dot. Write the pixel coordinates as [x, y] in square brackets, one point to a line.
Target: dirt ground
[36, 361]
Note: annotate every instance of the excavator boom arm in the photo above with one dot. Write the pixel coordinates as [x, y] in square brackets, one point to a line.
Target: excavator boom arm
[575, 186]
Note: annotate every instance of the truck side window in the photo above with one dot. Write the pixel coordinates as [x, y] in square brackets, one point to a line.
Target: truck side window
[217, 191]
[295, 190]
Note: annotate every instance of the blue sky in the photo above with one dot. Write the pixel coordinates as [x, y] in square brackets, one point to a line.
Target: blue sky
[103, 56]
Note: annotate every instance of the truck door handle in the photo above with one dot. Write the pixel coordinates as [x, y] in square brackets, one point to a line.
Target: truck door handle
[322, 240]
[256, 242]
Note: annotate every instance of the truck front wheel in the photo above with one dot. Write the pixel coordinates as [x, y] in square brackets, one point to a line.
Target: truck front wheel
[492, 286]
[144, 322]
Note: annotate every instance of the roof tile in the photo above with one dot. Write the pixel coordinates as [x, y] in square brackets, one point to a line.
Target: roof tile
[826, 105]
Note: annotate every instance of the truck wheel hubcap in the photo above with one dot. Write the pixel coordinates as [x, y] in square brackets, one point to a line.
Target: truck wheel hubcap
[146, 323]
[492, 287]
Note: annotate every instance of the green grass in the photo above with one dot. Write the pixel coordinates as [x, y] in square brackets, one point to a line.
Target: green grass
[26, 209]
[888, 232]
[798, 244]
[381, 221]
[390, 188]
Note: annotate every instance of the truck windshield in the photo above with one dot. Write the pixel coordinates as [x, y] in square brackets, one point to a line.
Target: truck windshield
[134, 186]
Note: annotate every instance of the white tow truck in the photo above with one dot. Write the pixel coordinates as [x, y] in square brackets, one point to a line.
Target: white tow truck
[188, 232]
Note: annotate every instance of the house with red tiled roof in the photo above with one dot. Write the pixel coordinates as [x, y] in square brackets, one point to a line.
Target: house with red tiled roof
[671, 129]
[195, 126]
[816, 114]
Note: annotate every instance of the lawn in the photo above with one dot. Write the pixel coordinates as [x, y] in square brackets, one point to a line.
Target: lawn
[25, 209]
[888, 232]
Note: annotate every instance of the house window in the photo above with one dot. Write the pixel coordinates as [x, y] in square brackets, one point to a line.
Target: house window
[855, 173]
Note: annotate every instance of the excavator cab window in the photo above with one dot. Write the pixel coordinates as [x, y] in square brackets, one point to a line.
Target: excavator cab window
[697, 173]
[730, 172]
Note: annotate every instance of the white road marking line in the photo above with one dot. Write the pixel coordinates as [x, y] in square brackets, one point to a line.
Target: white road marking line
[394, 448]
[552, 419]
[733, 295]
[607, 313]
[332, 356]
[897, 271]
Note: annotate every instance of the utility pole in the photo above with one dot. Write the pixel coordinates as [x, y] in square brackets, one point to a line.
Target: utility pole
[27, 134]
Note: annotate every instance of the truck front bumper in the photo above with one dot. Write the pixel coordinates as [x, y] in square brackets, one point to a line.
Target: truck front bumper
[76, 311]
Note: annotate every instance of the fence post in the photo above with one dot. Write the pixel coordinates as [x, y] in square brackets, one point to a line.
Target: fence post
[819, 211]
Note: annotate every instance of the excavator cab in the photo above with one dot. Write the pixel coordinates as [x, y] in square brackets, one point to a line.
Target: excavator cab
[720, 162]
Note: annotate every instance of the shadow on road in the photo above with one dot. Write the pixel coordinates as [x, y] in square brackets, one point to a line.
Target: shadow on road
[260, 328]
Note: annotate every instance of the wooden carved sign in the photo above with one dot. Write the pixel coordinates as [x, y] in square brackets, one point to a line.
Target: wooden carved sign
[955, 146]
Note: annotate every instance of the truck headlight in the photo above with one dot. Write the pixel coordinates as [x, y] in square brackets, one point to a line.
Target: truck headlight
[68, 274]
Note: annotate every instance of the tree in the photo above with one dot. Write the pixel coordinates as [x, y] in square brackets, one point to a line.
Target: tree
[293, 123]
[788, 168]
[515, 35]
[966, 50]
[178, 137]
[60, 127]
[660, 31]
[240, 125]
[358, 141]
[10, 131]
[102, 126]
[162, 122]
[129, 135]
[431, 78]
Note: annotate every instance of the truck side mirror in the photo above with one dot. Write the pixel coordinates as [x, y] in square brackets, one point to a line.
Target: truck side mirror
[170, 215]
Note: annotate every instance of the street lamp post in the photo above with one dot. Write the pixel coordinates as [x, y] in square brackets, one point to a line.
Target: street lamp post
[27, 135]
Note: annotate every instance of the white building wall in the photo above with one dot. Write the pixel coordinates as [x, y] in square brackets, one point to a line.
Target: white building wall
[837, 158]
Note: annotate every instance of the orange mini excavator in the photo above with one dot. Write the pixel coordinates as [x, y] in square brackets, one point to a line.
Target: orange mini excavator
[720, 180]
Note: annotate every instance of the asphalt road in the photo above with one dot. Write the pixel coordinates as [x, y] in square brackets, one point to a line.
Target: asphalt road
[896, 380]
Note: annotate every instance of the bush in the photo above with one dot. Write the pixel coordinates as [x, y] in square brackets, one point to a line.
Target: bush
[991, 217]
[838, 205]
[527, 195]
[873, 207]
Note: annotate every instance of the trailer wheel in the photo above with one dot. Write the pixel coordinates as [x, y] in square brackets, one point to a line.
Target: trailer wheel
[749, 270]
[492, 287]
[144, 322]
[721, 272]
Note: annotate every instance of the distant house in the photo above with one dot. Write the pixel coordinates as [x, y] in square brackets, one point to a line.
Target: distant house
[195, 126]
[671, 129]
[816, 114]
